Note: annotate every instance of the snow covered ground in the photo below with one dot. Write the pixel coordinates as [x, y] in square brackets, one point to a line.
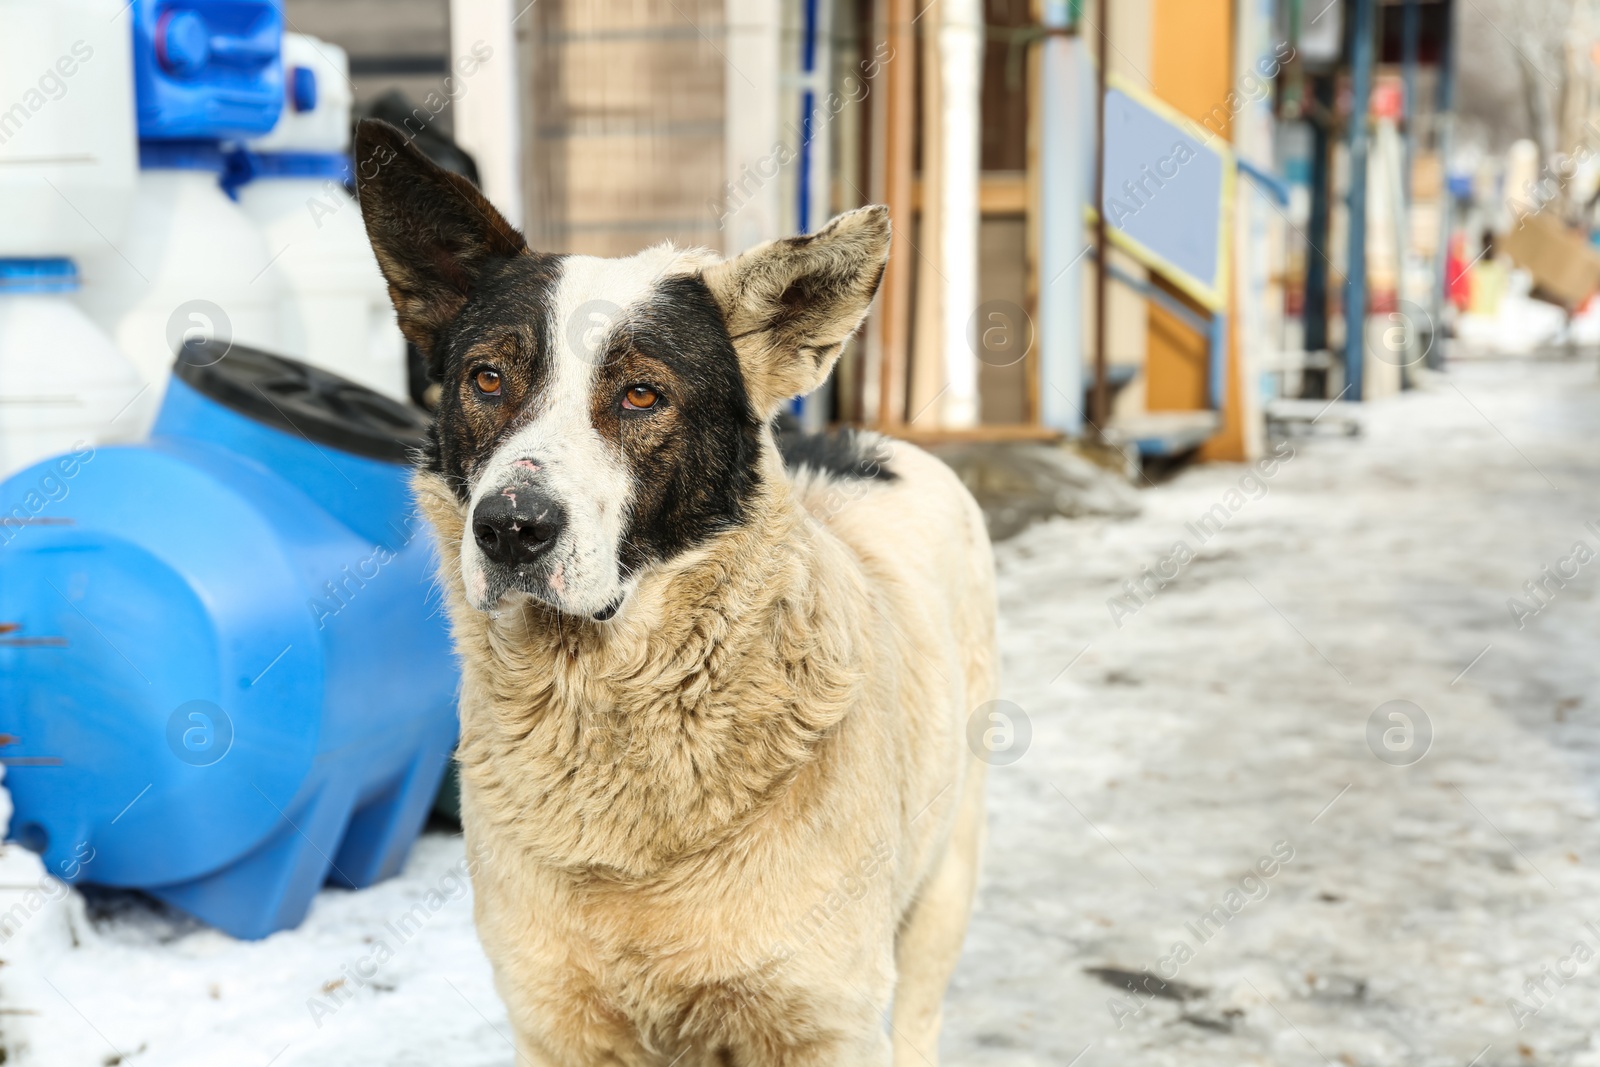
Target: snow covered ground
[1212, 747]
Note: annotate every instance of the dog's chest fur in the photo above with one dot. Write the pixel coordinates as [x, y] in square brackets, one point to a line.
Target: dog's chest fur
[626, 748]
[642, 791]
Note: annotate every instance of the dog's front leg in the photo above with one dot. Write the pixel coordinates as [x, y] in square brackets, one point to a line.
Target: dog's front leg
[869, 1048]
[872, 1049]
[829, 1030]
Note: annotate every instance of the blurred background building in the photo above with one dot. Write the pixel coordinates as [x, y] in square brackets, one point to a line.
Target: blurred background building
[606, 126]
[1371, 185]
[602, 127]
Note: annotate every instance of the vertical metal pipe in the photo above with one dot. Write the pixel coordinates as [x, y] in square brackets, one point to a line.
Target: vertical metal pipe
[1355, 292]
[1410, 34]
[808, 103]
[1100, 400]
[1317, 267]
[894, 306]
[1444, 131]
[808, 409]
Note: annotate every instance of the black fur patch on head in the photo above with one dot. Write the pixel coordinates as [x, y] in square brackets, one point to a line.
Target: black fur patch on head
[843, 453]
[693, 460]
[506, 325]
[433, 232]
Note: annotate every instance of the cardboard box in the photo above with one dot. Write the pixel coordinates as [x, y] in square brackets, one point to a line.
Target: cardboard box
[1565, 267]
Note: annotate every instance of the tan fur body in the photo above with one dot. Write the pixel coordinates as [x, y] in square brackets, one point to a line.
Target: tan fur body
[733, 824]
[714, 759]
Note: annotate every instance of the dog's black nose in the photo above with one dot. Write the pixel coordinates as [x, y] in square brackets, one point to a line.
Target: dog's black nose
[517, 526]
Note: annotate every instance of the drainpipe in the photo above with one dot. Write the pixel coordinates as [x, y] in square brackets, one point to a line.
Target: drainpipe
[812, 410]
[1355, 304]
[808, 103]
[1100, 398]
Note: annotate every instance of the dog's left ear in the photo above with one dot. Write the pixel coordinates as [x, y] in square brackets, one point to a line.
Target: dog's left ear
[433, 232]
[791, 304]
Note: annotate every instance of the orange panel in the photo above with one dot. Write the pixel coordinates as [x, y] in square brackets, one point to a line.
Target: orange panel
[1191, 52]
[1192, 70]
[1228, 445]
[1175, 378]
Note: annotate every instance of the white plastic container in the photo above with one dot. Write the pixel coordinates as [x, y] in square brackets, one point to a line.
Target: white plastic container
[336, 312]
[68, 169]
[190, 264]
[64, 386]
[68, 148]
[316, 111]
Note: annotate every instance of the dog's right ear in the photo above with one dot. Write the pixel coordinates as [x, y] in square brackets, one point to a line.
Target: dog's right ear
[433, 231]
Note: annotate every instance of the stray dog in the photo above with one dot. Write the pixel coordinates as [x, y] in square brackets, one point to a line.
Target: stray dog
[713, 710]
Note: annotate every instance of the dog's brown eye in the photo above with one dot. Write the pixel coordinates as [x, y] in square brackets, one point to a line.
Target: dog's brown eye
[488, 381]
[640, 397]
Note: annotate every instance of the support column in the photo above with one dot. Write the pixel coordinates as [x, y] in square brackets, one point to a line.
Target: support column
[1355, 294]
[894, 300]
[1060, 137]
[486, 121]
[944, 375]
[751, 209]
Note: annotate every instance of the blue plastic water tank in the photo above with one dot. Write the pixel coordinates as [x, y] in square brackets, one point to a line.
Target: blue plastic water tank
[225, 675]
[207, 69]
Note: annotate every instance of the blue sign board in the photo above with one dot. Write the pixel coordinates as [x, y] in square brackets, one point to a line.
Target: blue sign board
[1168, 188]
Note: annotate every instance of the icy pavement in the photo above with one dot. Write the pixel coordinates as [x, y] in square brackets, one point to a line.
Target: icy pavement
[1227, 717]
[1202, 795]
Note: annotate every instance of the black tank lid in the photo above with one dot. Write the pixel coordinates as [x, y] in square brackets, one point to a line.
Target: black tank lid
[303, 400]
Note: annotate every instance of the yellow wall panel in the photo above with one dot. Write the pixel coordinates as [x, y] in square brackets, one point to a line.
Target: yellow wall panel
[1191, 58]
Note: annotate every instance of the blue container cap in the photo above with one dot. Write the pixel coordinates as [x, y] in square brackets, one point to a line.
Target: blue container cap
[183, 42]
[303, 89]
[207, 69]
[38, 276]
